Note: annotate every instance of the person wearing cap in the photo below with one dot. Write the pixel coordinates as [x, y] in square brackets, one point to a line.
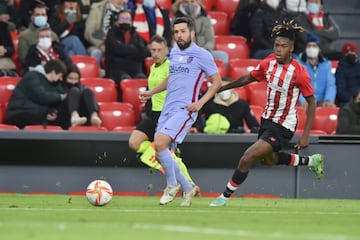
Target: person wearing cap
[319, 69]
[316, 21]
[347, 74]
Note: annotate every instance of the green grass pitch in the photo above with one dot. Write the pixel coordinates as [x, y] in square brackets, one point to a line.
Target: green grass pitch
[48, 217]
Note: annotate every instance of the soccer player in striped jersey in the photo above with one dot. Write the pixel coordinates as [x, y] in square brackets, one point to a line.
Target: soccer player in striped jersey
[285, 78]
[189, 64]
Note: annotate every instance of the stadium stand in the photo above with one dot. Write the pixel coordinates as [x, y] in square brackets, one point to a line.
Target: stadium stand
[115, 114]
[87, 65]
[220, 22]
[240, 67]
[326, 119]
[234, 46]
[228, 6]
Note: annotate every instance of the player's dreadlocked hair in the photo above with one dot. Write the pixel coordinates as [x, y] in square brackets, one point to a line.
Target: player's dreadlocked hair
[287, 28]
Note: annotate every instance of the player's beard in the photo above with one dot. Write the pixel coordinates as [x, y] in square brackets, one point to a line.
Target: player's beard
[185, 45]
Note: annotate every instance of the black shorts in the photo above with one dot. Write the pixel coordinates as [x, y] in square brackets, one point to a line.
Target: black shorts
[148, 125]
[274, 134]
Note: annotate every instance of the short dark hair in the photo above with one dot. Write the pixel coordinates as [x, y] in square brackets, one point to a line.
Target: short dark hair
[158, 39]
[73, 68]
[322, 1]
[55, 65]
[189, 22]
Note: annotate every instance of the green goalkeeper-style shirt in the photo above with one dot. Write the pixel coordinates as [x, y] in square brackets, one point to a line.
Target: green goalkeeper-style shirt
[156, 76]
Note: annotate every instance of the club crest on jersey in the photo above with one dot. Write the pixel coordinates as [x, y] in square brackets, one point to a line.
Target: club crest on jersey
[190, 59]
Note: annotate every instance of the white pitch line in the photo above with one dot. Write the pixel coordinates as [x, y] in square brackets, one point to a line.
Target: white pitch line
[239, 233]
[189, 210]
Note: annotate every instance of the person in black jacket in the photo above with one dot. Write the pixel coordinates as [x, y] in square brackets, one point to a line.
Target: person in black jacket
[125, 51]
[80, 106]
[7, 66]
[45, 50]
[349, 116]
[36, 96]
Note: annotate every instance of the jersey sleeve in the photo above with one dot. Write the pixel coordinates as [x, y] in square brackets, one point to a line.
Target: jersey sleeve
[207, 63]
[304, 83]
[259, 72]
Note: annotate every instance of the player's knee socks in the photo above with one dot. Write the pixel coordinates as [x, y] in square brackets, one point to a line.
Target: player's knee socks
[292, 159]
[181, 178]
[143, 146]
[183, 168]
[233, 184]
[168, 163]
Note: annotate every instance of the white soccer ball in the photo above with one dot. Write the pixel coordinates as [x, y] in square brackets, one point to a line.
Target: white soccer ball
[99, 193]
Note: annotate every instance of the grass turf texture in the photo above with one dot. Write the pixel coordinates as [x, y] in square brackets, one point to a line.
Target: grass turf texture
[72, 217]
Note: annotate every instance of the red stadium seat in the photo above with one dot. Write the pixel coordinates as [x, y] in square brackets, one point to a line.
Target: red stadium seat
[115, 114]
[148, 62]
[8, 127]
[104, 88]
[43, 128]
[7, 86]
[234, 46]
[228, 6]
[326, 119]
[257, 111]
[301, 114]
[242, 93]
[130, 89]
[240, 67]
[257, 93]
[221, 67]
[123, 129]
[208, 4]
[220, 22]
[87, 65]
[87, 129]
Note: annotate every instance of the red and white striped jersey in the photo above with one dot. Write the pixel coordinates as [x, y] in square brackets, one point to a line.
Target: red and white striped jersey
[284, 84]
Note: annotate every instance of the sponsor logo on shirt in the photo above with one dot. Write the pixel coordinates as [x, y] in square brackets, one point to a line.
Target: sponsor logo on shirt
[178, 69]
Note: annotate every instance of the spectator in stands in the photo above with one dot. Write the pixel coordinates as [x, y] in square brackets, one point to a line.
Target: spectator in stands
[28, 36]
[8, 14]
[23, 19]
[240, 24]
[45, 49]
[264, 19]
[349, 116]
[85, 6]
[295, 6]
[102, 17]
[126, 51]
[7, 66]
[316, 21]
[347, 74]
[67, 23]
[226, 113]
[36, 96]
[204, 32]
[319, 69]
[150, 19]
[80, 106]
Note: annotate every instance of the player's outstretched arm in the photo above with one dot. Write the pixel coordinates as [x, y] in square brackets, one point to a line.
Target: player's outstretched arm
[242, 81]
[144, 96]
[310, 115]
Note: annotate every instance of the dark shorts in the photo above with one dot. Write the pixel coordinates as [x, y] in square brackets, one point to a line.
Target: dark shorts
[274, 134]
[148, 125]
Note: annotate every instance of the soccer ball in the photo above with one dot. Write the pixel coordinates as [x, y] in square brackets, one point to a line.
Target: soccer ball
[99, 193]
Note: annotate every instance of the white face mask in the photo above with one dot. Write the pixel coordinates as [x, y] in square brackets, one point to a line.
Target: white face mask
[68, 10]
[312, 52]
[44, 43]
[225, 95]
[113, 8]
[273, 3]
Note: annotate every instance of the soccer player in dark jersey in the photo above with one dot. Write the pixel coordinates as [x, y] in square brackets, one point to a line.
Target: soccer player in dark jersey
[286, 79]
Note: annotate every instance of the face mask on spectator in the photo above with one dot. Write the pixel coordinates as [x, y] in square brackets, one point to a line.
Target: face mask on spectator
[68, 10]
[273, 3]
[312, 52]
[313, 8]
[149, 3]
[189, 8]
[350, 58]
[44, 43]
[225, 95]
[124, 27]
[40, 21]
